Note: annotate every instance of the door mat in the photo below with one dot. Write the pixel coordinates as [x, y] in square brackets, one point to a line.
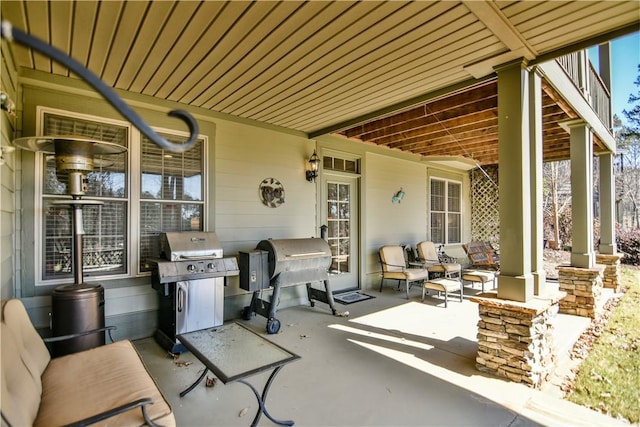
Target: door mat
[351, 297]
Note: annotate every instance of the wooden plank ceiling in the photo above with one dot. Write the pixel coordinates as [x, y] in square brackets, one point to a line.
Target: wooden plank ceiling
[465, 124]
[315, 66]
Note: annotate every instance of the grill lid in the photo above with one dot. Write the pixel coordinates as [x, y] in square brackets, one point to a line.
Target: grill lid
[176, 246]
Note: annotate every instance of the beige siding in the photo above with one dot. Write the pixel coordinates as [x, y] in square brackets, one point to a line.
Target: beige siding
[393, 224]
[8, 249]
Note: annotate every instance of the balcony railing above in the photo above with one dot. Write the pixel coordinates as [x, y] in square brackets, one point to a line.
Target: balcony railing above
[592, 86]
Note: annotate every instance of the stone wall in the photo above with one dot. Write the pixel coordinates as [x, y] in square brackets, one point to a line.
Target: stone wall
[515, 340]
[611, 275]
[583, 287]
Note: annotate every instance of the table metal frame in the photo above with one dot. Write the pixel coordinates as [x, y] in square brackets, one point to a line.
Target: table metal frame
[219, 349]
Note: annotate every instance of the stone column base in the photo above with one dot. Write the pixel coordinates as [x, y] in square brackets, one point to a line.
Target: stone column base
[583, 287]
[515, 339]
[611, 278]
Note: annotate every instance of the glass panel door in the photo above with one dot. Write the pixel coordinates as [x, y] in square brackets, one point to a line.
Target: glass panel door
[340, 215]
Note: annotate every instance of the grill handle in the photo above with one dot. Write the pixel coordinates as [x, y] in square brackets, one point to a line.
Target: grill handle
[307, 254]
[197, 258]
[180, 299]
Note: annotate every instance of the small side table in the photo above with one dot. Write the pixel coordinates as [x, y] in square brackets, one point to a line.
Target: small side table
[233, 352]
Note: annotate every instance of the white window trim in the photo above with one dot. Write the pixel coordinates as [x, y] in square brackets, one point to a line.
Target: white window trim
[133, 199]
[447, 181]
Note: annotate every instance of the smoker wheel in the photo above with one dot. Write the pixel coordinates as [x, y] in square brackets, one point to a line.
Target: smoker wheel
[273, 326]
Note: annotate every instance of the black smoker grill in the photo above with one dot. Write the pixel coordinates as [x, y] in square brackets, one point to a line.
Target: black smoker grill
[284, 262]
[190, 283]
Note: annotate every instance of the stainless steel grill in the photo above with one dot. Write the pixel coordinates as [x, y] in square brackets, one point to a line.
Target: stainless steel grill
[285, 262]
[190, 283]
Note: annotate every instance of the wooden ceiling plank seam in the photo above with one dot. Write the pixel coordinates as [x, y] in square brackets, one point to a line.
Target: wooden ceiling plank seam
[321, 44]
[211, 81]
[431, 123]
[125, 35]
[388, 88]
[344, 39]
[529, 12]
[550, 44]
[460, 111]
[391, 77]
[480, 136]
[434, 133]
[61, 15]
[568, 16]
[474, 94]
[374, 101]
[17, 16]
[200, 23]
[311, 40]
[387, 73]
[163, 44]
[375, 53]
[38, 12]
[152, 24]
[271, 49]
[202, 62]
[105, 30]
[83, 28]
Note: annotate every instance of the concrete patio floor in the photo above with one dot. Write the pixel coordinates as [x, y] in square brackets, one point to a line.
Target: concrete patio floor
[391, 362]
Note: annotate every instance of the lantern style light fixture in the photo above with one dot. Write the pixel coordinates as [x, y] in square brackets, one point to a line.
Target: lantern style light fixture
[314, 162]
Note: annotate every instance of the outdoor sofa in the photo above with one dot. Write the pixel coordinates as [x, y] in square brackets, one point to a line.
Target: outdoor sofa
[105, 385]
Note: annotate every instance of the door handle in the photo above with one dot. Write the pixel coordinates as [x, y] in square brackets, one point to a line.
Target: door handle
[180, 299]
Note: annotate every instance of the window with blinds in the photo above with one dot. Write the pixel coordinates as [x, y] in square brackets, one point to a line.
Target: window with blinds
[445, 214]
[170, 197]
[171, 194]
[105, 225]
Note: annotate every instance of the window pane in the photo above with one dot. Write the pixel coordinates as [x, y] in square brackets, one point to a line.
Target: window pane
[437, 195]
[453, 196]
[108, 178]
[105, 226]
[171, 176]
[104, 244]
[437, 227]
[453, 228]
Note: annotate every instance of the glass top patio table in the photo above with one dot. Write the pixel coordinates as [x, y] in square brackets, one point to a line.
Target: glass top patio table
[233, 351]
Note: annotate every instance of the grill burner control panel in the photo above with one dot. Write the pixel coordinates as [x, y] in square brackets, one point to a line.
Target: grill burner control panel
[177, 271]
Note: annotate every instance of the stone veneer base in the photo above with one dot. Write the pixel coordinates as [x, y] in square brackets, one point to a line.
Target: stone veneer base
[515, 339]
[583, 287]
[611, 275]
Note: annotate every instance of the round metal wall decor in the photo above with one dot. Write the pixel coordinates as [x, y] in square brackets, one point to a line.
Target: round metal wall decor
[271, 192]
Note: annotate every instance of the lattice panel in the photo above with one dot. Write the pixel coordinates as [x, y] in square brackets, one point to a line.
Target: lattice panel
[485, 210]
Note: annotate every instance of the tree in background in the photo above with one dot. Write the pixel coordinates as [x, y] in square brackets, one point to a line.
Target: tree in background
[628, 163]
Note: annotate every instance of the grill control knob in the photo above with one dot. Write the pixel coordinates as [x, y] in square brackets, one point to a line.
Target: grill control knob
[191, 268]
[211, 266]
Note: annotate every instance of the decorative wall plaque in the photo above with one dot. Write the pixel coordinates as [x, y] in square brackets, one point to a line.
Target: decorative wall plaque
[271, 192]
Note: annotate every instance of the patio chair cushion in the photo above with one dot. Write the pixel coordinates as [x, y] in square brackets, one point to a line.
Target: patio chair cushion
[40, 391]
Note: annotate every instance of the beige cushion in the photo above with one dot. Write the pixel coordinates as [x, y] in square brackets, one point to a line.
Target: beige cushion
[83, 384]
[20, 390]
[443, 285]
[24, 358]
[393, 265]
[478, 276]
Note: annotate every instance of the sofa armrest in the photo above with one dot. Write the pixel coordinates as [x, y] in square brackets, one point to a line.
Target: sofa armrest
[116, 411]
[108, 329]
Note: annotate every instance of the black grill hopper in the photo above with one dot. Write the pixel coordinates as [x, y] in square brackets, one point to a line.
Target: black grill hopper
[288, 262]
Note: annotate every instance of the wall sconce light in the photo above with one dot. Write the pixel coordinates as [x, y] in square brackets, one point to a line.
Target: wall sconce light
[398, 196]
[314, 162]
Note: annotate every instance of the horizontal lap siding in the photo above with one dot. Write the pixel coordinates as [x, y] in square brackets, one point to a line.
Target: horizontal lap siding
[8, 249]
